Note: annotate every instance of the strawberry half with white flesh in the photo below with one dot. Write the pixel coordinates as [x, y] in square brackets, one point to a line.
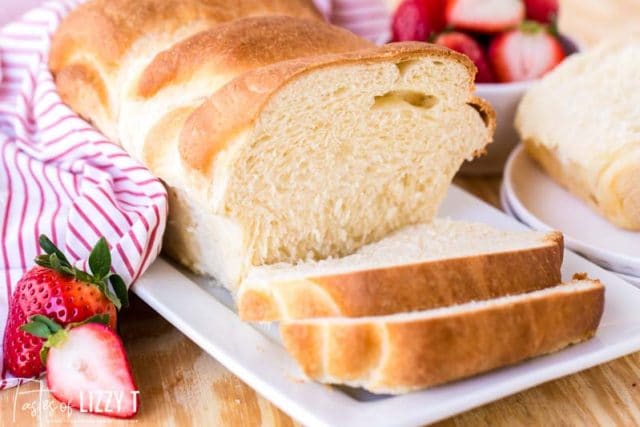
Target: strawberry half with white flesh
[418, 20]
[525, 54]
[485, 16]
[87, 367]
[59, 291]
[466, 45]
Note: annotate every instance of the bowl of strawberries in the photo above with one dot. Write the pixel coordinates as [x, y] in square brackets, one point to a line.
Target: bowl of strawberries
[511, 42]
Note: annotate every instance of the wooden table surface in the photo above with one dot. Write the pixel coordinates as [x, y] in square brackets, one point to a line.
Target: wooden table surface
[181, 385]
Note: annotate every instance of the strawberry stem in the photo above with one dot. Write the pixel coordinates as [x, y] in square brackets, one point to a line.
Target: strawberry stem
[531, 27]
[99, 263]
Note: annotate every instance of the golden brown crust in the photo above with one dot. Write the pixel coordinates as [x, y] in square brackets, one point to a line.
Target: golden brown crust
[360, 358]
[238, 103]
[82, 87]
[407, 287]
[245, 44]
[625, 189]
[308, 349]
[106, 29]
[488, 115]
[422, 352]
[98, 34]
[619, 203]
[162, 135]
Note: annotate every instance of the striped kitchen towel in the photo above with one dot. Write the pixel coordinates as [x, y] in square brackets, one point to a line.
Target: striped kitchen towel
[61, 177]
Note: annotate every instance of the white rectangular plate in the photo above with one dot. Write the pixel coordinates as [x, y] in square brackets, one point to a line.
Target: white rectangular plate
[205, 314]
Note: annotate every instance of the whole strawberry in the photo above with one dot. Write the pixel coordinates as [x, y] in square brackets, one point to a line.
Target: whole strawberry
[466, 45]
[544, 11]
[60, 292]
[418, 20]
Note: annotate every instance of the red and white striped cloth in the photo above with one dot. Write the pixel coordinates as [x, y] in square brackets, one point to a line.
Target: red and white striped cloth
[58, 175]
[61, 177]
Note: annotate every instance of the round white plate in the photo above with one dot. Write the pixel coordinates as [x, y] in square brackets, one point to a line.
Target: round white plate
[504, 203]
[635, 281]
[536, 200]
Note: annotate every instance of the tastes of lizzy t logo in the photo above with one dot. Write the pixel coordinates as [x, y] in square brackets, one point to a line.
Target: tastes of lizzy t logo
[37, 403]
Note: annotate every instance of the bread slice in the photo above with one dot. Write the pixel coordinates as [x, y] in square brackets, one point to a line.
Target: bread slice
[581, 124]
[417, 268]
[403, 352]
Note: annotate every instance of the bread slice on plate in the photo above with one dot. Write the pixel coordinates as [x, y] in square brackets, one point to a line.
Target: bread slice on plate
[580, 123]
[417, 268]
[403, 352]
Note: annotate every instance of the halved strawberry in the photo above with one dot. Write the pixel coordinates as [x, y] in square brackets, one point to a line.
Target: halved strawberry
[418, 20]
[525, 54]
[61, 292]
[485, 16]
[87, 367]
[464, 44]
[544, 11]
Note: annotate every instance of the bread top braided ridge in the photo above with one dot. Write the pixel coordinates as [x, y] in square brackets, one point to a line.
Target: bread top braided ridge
[90, 47]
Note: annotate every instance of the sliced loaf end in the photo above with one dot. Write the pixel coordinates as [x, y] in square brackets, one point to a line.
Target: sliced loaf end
[319, 156]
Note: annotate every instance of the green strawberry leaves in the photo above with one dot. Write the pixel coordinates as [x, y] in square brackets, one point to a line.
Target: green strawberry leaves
[51, 249]
[41, 326]
[120, 289]
[103, 319]
[99, 264]
[104, 288]
[53, 333]
[100, 259]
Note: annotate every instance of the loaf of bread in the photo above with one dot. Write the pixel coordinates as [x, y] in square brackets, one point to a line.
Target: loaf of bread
[403, 352]
[280, 138]
[101, 47]
[417, 268]
[582, 125]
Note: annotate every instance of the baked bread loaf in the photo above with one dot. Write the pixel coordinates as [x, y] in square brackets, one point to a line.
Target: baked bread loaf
[280, 139]
[581, 124]
[403, 352]
[100, 49]
[417, 268]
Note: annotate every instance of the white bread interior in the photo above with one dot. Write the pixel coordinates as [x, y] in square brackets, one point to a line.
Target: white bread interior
[338, 158]
[418, 267]
[580, 122]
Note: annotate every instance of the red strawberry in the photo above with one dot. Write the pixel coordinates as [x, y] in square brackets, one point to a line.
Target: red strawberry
[418, 20]
[524, 54]
[87, 367]
[485, 16]
[464, 44]
[63, 293]
[544, 11]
